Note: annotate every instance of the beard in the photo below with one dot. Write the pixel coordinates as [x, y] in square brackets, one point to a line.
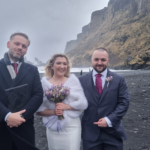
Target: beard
[17, 58]
[99, 71]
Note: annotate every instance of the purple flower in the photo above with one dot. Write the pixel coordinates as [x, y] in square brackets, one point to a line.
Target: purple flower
[57, 94]
[108, 79]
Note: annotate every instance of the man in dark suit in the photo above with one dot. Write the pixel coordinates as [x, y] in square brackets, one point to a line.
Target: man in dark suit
[108, 99]
[16, 128]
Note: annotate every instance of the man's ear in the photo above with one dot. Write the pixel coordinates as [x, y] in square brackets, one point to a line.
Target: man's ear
[8, 44]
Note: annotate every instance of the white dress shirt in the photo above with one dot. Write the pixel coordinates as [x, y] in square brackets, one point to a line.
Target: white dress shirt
[17, 71]
[15, 62]
[103, 78]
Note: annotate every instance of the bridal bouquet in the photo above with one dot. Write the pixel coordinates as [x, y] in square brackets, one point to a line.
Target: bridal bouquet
[57, 94]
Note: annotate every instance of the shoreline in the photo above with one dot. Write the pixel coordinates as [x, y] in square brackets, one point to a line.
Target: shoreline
[121, 72]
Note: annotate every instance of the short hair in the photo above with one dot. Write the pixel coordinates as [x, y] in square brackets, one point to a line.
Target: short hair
[101, 49]
[20, 34]
[49, 71]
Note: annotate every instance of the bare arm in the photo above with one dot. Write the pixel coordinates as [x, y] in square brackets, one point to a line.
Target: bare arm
[62, 106]
[50, 112]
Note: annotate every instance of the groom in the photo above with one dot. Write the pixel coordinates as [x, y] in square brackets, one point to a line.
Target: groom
[108, 99]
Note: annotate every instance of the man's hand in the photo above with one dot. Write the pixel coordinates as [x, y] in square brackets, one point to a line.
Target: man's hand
[101, 123]
[15, 119]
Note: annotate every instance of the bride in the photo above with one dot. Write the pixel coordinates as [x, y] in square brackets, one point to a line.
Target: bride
[69, 135]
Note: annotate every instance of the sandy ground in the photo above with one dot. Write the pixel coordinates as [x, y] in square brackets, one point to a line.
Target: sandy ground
[136, 121]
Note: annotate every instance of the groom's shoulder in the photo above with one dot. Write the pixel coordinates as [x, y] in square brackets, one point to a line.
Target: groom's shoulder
[116, 74]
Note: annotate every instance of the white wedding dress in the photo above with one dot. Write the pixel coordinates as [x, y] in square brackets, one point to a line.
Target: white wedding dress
[69, 135]
[68, 138]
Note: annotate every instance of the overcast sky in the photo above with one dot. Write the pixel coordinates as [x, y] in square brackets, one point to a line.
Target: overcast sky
[48, 23]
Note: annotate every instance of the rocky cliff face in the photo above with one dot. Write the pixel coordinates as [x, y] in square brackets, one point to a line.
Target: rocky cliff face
[70, 45]
[123, 28]
[37, 62]
[25, 59]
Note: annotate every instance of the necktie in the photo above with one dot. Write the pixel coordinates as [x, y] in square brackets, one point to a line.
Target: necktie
[15, 67]
[98, 83]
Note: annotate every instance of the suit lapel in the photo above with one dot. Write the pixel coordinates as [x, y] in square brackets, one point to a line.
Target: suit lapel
[105, 89]
[91, 87]
[5, 73]
[23, 70]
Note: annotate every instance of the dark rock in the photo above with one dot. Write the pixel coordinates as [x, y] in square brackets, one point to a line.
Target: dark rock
[135, 67]
[147, 68]
[129, 58]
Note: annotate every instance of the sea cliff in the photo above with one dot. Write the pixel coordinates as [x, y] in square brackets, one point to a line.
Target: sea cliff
[123, 27]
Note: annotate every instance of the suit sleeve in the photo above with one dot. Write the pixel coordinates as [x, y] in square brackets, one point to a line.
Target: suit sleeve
[36, 98]
[122, 105]
[3, 111]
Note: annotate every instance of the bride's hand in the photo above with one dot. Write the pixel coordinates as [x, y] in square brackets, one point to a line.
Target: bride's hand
[58, 112]
[61, 106]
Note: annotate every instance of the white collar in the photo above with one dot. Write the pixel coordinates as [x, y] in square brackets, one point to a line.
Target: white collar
[13, 61]
[104, 73]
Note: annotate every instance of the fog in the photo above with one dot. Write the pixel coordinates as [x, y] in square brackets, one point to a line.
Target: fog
[48, 23]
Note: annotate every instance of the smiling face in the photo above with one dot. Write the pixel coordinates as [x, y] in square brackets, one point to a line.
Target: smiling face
[17, 47]
[100, 60]
[60, 66]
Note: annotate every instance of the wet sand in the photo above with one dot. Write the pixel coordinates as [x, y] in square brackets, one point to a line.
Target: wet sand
[137, 119]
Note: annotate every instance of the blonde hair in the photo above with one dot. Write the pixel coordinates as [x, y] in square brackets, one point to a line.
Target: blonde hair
[49, 71]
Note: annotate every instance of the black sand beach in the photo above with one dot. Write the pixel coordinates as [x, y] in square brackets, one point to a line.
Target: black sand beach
[136, 121]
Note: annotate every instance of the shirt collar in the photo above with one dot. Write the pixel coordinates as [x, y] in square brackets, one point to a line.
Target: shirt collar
[104, 73]
[14, 62]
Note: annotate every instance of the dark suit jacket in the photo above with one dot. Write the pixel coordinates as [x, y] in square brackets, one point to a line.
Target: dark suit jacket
[24, 135]
[113, 103]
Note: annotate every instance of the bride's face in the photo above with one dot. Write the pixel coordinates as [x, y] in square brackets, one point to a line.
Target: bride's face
[60, 66]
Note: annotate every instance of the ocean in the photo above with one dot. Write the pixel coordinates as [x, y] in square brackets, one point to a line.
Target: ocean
[81, 71]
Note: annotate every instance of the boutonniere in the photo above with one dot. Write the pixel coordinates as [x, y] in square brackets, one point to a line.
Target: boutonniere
[108, 79]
